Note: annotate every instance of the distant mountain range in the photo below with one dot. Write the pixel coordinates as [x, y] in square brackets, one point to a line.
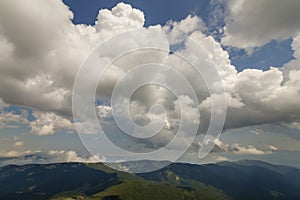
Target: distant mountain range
[243, 180]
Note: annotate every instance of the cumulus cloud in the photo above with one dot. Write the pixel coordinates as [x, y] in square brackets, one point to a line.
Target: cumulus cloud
[40, 61]
[35, 51]
[9, 118]
[188, 25]
[43, 157]
[120, 19]
[104, 111]
[48, 123]
[44, 123]
[41, 58]
[18, 143]
[261, 97]
[257, 131]
[14, 153]
[241, 150]
[272, 148]
[2, 104]
[71, 156]
[235, 148]
[217, 158]
[255, 23]
[294, 125]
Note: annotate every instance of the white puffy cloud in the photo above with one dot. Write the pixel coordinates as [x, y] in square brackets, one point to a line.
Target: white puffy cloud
[36, 46]
[71, 156]
[104, 111]
[296, 46]
[43, 157]
[120, 19]
[2, 104]
[49, 123]
[13, 153]
[188, 25]
[218, 158]
[294, 125]
[257, 131]
[272, 148]
[18, 143]
[38, 70]
[254, 23]
[8, 118]
[41, 57]
[221, 150]
[241, 150]
[261, 97]
[237, 149]
[44, 123]
[264, 97]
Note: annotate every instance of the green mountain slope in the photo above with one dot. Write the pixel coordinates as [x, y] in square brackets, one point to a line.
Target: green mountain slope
[146, 190]
[237, 181]
[136, 190]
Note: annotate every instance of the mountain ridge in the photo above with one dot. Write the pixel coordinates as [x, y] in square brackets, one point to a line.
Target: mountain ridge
[224, 181]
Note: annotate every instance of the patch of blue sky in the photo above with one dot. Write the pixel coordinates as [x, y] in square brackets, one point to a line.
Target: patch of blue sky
[105, 102]
[15, 109]
[273, 54]
[156, 11]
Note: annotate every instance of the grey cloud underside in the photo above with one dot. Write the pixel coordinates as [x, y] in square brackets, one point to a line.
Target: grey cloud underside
[251, 24]
[39, 60]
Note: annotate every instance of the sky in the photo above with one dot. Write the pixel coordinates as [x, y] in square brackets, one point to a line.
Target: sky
[251, 48]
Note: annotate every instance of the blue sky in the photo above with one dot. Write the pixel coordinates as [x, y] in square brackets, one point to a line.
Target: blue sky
[263, 120]
[156, 12]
